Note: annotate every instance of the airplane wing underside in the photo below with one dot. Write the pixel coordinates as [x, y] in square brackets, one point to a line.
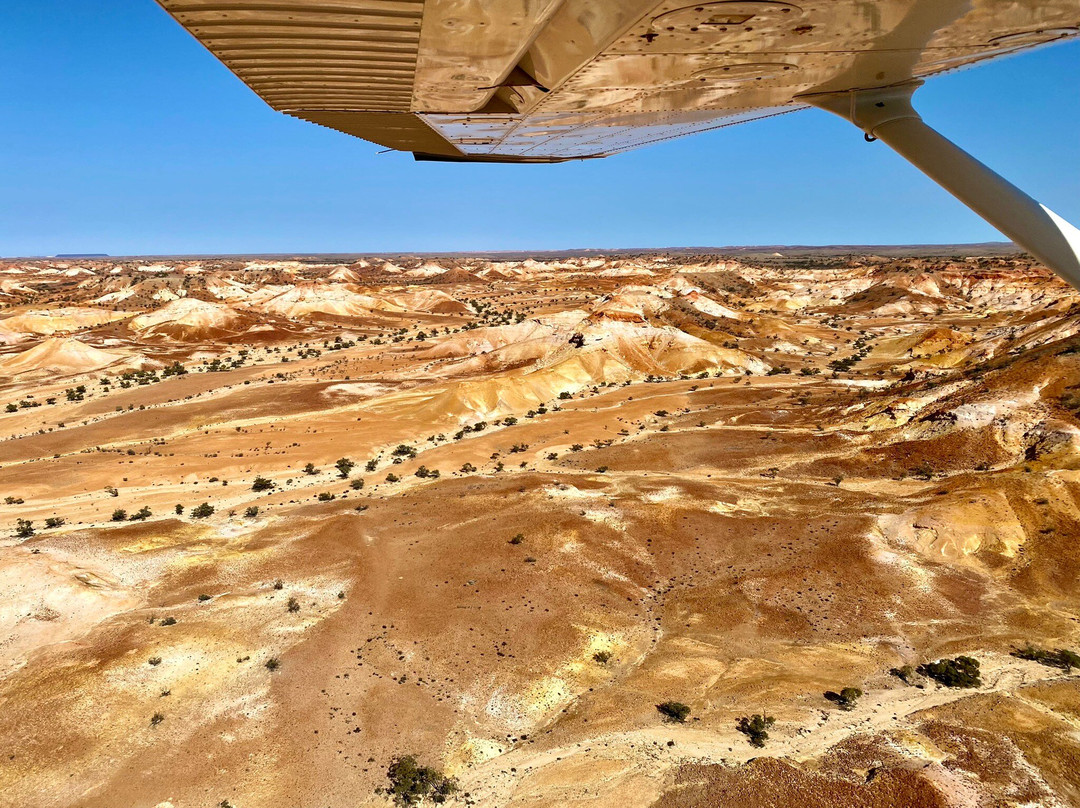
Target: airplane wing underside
[552, 80]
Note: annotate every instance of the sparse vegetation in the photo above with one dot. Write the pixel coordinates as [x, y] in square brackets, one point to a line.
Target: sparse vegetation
[755, 728]
[411, 783]
[262, 484]
[1059, 658]
[202, 511]
[140, 515]
[672, 710]
[961, 671]
[603, 657]
[846, 698]
[905, 674]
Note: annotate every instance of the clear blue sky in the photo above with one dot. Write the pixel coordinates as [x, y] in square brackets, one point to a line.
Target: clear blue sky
[120, 134]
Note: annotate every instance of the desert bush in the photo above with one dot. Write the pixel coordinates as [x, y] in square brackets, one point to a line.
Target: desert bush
[272, 664]
[310, 469]
[140, 515]
[411, 783]
[1058, 658]
[755, 728]
[294, 605]
[344, 467]
[603, 657]
[54, 521]
[202, 511]
[262, 484]
[905, 673]
[517, 538]
[252, 511]
[846, 698]
[169, 621]
[24, 528]
[119, 515]
[156, 719]
[961, 671]
[392, 478]
[673, 711]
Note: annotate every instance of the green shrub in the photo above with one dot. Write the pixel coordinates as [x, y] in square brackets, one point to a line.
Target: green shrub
[846, 698]
[262, 484]
[54, 521]
[293, 605]
[357, 484]
[603, 657]
[411, 783]
[140, 515]
[961, 671]
[755, 728]
[310, 469]
[252, 511]
[345, 467]
[202, 511]
[1058, 658]
[905, 673]
[673, 711]
[24, 528]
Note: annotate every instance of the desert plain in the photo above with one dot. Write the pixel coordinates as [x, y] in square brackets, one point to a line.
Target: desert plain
[269, 525]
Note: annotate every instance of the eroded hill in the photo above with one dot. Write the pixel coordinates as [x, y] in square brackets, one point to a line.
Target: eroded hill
[271, 525]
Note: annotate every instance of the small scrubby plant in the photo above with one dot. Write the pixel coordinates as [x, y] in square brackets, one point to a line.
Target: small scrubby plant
[673, 711]
[756, 728]
[846, 698]
[411, 783]
[961, 671]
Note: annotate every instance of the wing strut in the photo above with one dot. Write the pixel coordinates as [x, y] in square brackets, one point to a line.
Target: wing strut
[886, 114]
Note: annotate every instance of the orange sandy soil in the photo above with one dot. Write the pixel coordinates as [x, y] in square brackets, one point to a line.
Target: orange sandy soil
[703, 490]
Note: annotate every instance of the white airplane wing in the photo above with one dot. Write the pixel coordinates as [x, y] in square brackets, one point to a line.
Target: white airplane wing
[552, 80]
